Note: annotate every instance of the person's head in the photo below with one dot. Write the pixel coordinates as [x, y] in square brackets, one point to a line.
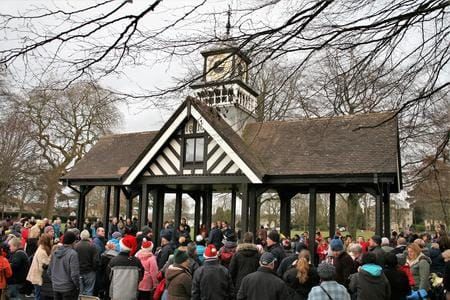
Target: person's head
[210, 252]
[45, 241]
[248, 238]
[348, 239]
[446, 255]
[420, 243]
[326, 271]
[147, 245]
[101, 232]
[303, 266]
[183, 221]
[361, 239]
[390, 260]
[368, 258]
[413, 251]
[116, 235]
[273, 238]
[224, 224]
[192, 250]
[337, 247]
[165, 238]
[110, 246]
[426, 237]
[128, 221]
[375, 241]
[48, 230]
[267, 260]
[384, 241]
[69, 238]
[84, 235]
[180, 257]
[114, 220]
[356, 250]
[128, 244]
[14, 244]
[401, 241]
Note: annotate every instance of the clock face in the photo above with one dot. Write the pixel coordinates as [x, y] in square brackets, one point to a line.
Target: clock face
[218, 67]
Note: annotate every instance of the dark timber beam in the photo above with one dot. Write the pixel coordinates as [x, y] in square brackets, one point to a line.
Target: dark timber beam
[197, 199]
[106, 209]
[209, 196]
[312, 222]
[285, 211]
[84, 190]
[387, 211]
[178, 208]
[143, 206]
[252, 224]
[116, 204]
[233, 208]
[378, 215]
[332, 215]
[204, 209]
[244, 208]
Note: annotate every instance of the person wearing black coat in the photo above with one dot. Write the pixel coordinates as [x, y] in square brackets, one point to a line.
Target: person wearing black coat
[212, 280]
[398, 279]
[215, 237]
[244, 262]
[437, 261]
[19, 266]
[274, 247]
[264, 283]
[164, 252]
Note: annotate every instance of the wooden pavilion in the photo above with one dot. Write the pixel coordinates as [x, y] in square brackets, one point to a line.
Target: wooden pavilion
[213, 143]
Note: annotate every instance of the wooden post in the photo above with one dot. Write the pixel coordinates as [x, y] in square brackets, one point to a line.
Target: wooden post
[129, 207]
[196, 213]
[285, 212]
[312, 222]
[233, 208]
[81, 207]
[387, 211]
[244, 208]
[378, 214]
[332, 216]
[106, 208]
[178, 204]
[209, 196]
[143, 206]
[116, 204]
[252, 208]
[204, 208]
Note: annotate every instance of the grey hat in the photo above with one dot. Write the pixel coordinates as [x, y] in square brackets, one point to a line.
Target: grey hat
[116, 235]
[267, 258]
[326, 271]
[76, 231]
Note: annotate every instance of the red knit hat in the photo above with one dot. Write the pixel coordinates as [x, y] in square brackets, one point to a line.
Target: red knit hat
[147, 245]
[210, 252]
[128, 244]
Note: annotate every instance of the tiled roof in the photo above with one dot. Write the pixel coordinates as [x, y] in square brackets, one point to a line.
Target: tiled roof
[111, 156]
[322, 146]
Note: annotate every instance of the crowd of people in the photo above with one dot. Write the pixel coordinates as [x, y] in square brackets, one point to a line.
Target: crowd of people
[47, 260]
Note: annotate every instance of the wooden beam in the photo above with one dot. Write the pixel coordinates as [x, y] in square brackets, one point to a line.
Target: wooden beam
[116, 203]
[178, 208]
[233, 208]
[285, 211]
[312, 222]
[129, 208]
[143, 206]
[160, 199]
[204, 209]
[106, 209]
[198, 179]
[244, 208]
[197, 199]
[209, 196]
[252, 224]
[378, 215]
[332, 215]
[387, 211]
[81, 207]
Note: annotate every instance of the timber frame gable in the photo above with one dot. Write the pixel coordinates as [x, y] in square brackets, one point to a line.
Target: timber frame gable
[192, 128]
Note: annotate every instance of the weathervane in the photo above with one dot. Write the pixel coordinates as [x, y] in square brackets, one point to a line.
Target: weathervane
[228, 27]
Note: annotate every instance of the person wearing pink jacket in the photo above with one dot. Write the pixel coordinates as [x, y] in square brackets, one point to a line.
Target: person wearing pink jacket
[148, 261]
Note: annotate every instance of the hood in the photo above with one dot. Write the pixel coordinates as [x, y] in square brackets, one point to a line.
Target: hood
[144, 255]
[173, 271]
[372, 269]
[434, 252]
[425, 257]
[247, 249]
[62, 251]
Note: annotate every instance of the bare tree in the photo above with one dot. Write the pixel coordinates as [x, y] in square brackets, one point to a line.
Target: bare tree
[64, 125]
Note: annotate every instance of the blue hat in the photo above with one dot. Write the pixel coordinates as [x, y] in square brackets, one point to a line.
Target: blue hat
[336, 245]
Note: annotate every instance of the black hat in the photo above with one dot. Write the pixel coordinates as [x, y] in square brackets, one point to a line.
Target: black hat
[69, 238]
[274, 236]
[376, 239]
[267, 258]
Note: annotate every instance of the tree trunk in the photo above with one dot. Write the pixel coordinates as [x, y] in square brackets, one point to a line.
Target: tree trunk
[352, 213]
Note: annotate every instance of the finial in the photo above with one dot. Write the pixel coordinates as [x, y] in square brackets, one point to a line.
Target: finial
[228, 22]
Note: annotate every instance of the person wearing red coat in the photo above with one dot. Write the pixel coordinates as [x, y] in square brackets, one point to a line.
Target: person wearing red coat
[5, 271]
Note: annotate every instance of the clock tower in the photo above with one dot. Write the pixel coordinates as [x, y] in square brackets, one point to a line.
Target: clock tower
[224, 85]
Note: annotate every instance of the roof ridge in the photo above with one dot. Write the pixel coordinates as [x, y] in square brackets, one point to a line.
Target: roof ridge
[308, 119]
[127, 133]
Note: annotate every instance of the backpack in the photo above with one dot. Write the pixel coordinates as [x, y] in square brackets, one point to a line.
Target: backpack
[159, 291]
